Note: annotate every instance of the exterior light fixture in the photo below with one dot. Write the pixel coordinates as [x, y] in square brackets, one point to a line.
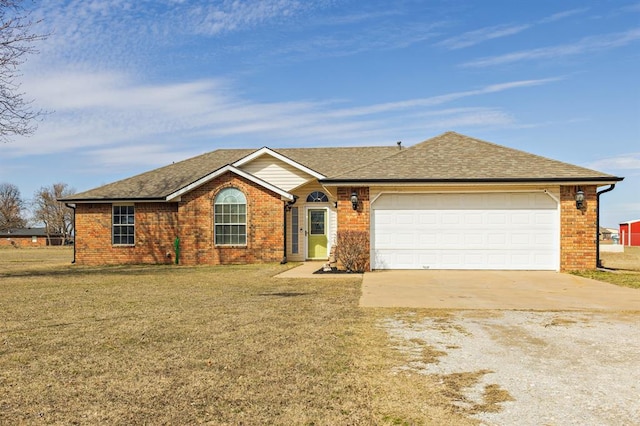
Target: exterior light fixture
[354, 200]
[579, 199]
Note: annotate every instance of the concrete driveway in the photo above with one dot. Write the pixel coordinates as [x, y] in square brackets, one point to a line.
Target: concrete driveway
[521, 290]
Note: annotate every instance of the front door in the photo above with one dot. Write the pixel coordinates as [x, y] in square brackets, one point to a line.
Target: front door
[317, 238]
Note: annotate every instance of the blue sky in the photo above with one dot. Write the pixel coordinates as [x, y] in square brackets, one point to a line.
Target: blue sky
[132, 85]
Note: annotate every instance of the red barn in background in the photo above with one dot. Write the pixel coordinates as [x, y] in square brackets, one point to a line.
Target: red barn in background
[630, 233]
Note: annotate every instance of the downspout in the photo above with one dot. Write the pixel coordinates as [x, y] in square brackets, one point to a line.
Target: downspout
[72, 207]
[598, 262]
[284, 234]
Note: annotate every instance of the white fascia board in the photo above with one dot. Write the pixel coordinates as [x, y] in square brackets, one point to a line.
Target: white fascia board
[280, 157]
[229, 168]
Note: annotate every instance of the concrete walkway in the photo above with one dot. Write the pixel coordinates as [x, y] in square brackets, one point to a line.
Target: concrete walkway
[307, 269]
[521, 290]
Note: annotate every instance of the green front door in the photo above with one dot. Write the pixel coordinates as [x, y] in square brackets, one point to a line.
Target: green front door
[317, 238]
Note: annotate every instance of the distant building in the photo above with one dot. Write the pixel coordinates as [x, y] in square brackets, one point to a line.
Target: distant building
[630, 233]
[29, 237]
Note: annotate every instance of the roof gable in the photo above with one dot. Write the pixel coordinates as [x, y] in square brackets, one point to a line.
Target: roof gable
[228, 168]
[245, 163]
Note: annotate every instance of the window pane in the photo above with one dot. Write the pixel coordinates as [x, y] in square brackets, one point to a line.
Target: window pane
[317, 222]
[123, 221]
[230, 217]
[294, 230]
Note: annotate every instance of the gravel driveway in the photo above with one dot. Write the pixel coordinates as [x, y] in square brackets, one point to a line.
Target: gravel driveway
[559, 368]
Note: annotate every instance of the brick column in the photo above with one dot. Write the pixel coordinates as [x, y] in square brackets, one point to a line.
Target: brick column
[357, 220]
[577, 229]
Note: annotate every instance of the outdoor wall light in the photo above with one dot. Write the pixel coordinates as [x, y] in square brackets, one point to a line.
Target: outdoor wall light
[579, 199]
[354, 200]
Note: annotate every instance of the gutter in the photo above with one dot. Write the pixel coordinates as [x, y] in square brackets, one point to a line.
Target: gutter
[607, 179]
[598, 261]
[73, 207]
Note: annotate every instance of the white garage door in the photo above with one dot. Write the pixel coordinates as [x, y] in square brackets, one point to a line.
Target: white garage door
[465, 231]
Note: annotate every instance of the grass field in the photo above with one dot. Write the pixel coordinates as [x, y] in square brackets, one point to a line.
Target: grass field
[200, 345]
[621, 268]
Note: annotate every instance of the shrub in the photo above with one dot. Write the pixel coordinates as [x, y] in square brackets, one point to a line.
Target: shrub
[352, 250]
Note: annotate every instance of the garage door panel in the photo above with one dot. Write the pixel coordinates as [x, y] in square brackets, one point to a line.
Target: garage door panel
[458, 231]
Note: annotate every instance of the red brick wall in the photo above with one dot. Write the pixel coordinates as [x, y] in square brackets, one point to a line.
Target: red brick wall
[156, 229]
[358, 220]
[265, 218]
[577, 229]
[22, 241]
[158, 224]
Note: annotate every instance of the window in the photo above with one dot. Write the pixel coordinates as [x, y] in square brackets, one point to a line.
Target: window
[123, 232]
[294, 230]
[230, 217]
[317, 197]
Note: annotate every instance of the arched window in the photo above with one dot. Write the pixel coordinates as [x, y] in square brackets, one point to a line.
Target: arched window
[230, 217]
[317, 197]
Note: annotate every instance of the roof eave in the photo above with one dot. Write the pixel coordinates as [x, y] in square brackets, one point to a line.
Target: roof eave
[604, 180]
[112, 200]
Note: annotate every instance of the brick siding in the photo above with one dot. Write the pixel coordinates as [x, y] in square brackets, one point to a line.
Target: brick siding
[577, 229]
[191, 219]
[359, 219]
[23, 241]
[265, 216]
[156, 229]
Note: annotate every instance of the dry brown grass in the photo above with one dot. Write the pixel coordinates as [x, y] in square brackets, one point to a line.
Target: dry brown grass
[624, 268]
[197, 345]
[628, 261]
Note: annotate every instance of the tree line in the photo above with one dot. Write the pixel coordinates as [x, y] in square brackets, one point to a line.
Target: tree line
[45, 208]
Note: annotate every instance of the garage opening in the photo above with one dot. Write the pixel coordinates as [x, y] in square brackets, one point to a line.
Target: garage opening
[494, 231]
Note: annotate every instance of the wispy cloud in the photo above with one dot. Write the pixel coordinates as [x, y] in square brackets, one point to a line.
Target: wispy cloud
[629, 161]
[106, 114]
[585, 45]
[632, 8]
[231, 15]
[481, 35]
[561, 15]
[441, 99]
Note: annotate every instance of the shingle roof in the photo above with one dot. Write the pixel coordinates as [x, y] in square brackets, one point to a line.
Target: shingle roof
[157, 184]
[24, 232]
[448, 157]
[455, 157]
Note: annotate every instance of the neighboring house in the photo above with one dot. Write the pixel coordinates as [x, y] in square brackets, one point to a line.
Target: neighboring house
[630, 233]
[28, 237]
[450, 202]
[605, 233]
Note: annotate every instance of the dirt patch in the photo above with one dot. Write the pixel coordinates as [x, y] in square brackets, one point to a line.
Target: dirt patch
[530, 368]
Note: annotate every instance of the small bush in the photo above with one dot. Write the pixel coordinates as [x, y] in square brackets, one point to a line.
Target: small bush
[352, 250]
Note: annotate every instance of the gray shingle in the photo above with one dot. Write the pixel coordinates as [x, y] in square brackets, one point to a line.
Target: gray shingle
[450, 156]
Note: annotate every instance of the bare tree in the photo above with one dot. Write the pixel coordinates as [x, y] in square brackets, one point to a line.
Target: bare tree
[17, 117]
[11, 207]
[56, 217]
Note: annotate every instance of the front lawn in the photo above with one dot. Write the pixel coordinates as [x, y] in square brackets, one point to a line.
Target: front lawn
[621, 278]
[622, 268]
[193, 345]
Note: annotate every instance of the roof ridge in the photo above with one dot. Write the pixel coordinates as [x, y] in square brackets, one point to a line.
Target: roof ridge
[398, 152]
